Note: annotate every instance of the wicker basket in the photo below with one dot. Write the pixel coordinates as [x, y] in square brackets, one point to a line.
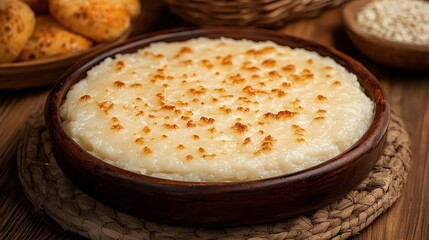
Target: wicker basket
[254, 13]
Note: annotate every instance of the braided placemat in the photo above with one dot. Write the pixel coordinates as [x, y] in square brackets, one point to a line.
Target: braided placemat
[52, 193]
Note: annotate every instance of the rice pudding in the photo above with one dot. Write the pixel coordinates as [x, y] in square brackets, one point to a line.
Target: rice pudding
[221, 110]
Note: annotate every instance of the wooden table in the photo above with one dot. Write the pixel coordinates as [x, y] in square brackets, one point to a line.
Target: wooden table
[408, 92]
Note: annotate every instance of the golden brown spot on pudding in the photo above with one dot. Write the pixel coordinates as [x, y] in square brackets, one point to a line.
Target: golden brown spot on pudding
[118, 84]
[116, 127]
[209, 156]
[319, 118]
[147, 151]
[212, 130]
[225, 109]
[262, 51]
[85, 98]
[310, 61]
[321, 111]
[280, 115]
[146, 129]
[199, 91]
[189, 157]
[243, 109]
[289, 68]
[274, 74]
[240, 128]
[153, 55]
[279, 93]
[205, 120]
[106, 106]
[190, 124]
[227, 61]
[237, 79]
[168, 108]
[269, 63]
[322, 98]
[299, 131]
[135, 85]
[183, 51]
[300, 140]
[139, 140]
[267, 143]
[180, 146]
[187, 62]
[195, 137]
[207, 63]
[247, 141]
[295, 77]
[249, 90]
[170, 126]
[250, 69]
[140, 113]
[286, 85]
[119, 65]
[255, 76]
[336, 83]
[201, 150]
[306, 74]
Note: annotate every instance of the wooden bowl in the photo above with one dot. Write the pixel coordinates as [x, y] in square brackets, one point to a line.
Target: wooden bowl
[43, 72]
[217, 204]
[394, 54]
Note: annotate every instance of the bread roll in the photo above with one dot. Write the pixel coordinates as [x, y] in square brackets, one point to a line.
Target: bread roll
[132, 6]
[100, 20]
[16, 26]
[51, 39]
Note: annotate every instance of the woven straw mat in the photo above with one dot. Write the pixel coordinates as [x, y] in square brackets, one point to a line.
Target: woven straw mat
[52, 193]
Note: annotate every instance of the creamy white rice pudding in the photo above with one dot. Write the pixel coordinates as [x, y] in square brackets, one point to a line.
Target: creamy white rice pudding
[217, 110]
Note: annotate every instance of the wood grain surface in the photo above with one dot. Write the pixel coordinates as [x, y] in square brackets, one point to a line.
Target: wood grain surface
[408, 93]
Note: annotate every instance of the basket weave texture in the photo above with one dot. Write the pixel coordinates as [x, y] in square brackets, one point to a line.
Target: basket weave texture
[52, 193]
[255, 13]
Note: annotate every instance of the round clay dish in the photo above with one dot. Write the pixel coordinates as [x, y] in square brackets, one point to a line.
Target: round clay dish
[217, 204]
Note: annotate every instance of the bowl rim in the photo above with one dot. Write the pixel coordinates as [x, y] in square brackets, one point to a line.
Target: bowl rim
[362, 146]
[349, 13]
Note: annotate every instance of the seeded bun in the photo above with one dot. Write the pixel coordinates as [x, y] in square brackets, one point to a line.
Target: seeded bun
[100, 20]
[16, 26]
[51, 39]
[132, 6]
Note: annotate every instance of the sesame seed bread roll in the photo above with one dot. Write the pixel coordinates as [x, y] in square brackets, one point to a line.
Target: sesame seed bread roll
[100, 20]
[16, 26]
[51, 39]
[132, 6]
